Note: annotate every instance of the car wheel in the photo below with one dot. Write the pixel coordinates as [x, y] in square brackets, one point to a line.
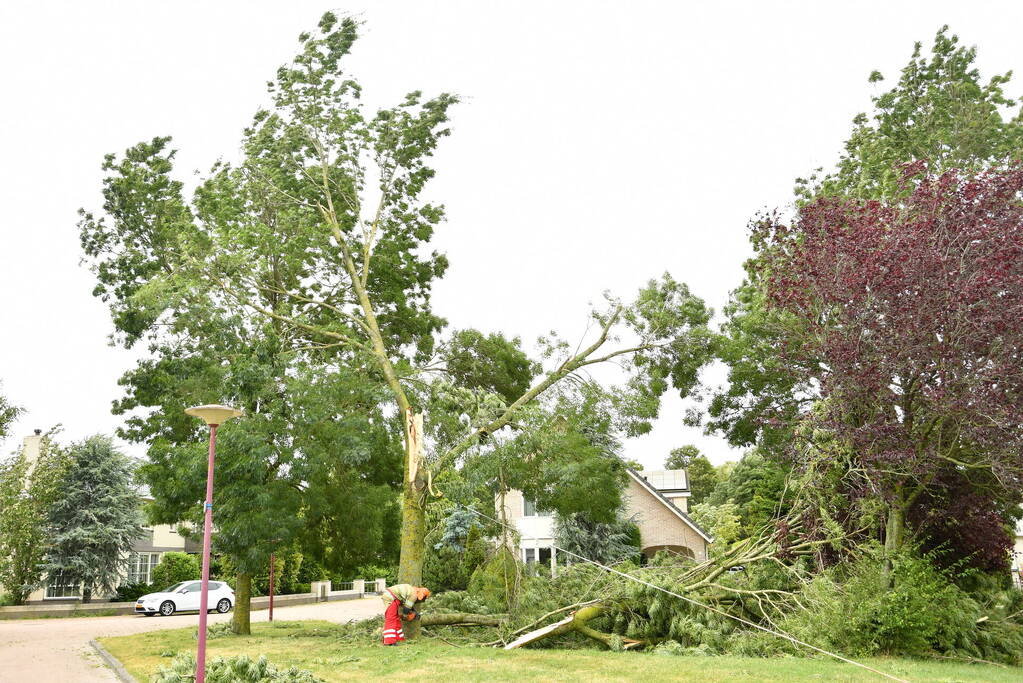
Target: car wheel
[167, 608]
[224, 606]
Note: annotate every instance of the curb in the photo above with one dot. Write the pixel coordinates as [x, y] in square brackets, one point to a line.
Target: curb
[119, 670]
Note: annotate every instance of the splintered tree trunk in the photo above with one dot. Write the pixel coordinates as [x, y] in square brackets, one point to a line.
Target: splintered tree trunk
[413, 513]
[240, 622]
[578, 621]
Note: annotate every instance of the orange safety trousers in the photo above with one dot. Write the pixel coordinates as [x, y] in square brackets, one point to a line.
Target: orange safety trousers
[392, 624]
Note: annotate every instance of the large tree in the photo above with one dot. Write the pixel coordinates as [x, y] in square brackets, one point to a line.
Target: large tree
[328, 200]
[305, 465]
[939, 110]
[95, 520]
[911, 314]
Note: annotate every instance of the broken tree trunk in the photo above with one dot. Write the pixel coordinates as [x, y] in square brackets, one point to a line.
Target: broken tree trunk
[462, 619]
[577, 621]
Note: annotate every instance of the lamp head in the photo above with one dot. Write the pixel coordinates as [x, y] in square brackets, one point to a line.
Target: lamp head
[214, 414]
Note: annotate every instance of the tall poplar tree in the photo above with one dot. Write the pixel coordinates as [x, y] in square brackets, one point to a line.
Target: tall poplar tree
[323, 227]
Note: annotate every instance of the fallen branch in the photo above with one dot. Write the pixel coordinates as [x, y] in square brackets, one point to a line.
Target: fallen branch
[577, 621]
[462, 619]
[551, 614]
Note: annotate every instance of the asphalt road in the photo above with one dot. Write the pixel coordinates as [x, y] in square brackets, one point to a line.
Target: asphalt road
[58, 651]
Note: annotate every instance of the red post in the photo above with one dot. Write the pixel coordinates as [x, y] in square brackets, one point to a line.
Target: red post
[271, 586]
[200, 664]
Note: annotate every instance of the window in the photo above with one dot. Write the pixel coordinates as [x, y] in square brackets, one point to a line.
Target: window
[140, 567]
[193, 587]
[531, 509]
[59, 587]
[539, 555]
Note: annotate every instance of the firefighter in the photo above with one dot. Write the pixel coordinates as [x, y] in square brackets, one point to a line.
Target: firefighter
[400, 604]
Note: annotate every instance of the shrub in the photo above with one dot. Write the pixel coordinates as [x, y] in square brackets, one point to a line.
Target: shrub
[370, 572]
[175, 567]
[241, 669]
[495, 583]
[444, 570]
[915, 609]
[458, 601]
[130, 591]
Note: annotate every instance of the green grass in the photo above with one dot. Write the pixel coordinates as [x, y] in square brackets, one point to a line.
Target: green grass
[316, 645]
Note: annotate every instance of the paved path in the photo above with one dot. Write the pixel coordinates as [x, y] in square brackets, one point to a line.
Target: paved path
[57, 650]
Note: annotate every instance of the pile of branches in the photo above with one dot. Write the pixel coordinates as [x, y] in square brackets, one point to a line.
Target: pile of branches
[757, 580]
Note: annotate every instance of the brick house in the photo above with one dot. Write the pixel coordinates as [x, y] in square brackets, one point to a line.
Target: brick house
[145, 554]
[657, 501]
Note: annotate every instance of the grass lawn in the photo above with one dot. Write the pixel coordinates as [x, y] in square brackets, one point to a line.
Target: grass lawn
[315, 645]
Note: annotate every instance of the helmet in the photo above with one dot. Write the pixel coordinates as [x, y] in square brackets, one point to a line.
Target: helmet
[422, 593]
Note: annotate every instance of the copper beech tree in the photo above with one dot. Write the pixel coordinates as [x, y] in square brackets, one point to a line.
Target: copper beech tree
[910, 315]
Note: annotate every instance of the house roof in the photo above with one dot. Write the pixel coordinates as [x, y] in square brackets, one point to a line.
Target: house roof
[641, 480]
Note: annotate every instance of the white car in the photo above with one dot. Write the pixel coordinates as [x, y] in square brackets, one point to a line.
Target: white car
[185, 597]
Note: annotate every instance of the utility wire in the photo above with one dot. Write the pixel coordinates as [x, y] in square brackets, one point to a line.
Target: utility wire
[697, 603]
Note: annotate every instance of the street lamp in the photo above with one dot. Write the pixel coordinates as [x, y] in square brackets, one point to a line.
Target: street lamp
[214, 416]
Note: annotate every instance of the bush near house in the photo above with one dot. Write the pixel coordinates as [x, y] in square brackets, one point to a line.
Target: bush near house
[130, 591]
[176, 567]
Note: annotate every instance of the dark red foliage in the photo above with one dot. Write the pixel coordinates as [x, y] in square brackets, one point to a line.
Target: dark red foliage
[913, 315]
[962, 519]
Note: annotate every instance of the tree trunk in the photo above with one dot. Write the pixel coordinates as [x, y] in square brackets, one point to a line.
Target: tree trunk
[462, 619]
[240, 622]
[577, 621]
[86, 595]
[413, 547]
[895, 528]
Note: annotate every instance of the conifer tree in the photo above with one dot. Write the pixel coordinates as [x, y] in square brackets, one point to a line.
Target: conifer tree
[95, 520]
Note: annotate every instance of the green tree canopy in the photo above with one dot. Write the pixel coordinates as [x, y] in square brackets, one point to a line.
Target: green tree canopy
[95, 520]
[322, 229]
[27, 493]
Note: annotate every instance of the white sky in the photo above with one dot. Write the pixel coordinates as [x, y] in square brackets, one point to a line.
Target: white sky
[599, 145]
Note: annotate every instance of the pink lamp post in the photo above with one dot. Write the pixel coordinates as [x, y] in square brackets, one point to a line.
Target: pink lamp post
[214, 416]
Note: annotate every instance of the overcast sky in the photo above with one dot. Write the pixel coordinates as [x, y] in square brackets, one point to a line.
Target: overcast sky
[599, 144]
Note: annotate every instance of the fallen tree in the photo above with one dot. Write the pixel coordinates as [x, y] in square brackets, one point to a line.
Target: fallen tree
[577, 621]
[462, 619]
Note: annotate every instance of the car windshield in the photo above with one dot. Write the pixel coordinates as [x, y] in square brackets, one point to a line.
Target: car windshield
[174, 587]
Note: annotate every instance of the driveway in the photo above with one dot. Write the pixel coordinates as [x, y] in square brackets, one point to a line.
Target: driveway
[58, 651]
